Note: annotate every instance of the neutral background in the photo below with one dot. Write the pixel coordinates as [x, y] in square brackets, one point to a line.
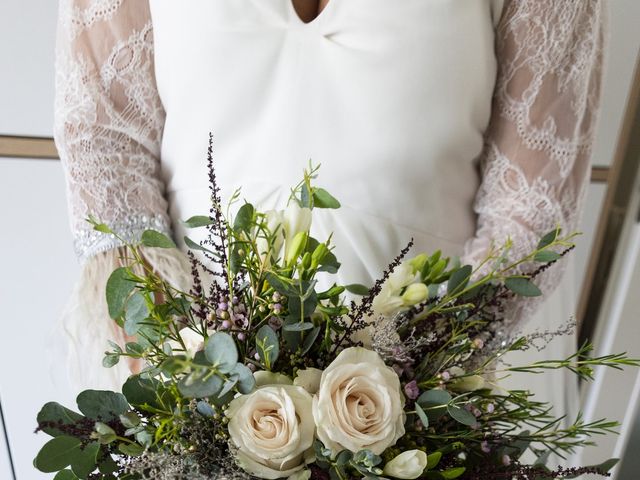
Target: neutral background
[38, 265]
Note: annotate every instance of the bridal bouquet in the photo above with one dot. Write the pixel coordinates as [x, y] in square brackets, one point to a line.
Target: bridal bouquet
[257, 372]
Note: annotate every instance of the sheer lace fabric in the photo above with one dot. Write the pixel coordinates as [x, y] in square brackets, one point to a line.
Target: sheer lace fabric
[536, 161]
[109, 120]
[535, 164]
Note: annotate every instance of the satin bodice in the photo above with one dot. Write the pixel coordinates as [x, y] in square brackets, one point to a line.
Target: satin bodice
[390, 98]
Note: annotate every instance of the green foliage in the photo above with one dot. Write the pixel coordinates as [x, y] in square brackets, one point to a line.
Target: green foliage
[267, 346]
[220, 349]
[152, 238]
[119, 286]
[102, 404]
[275, 319]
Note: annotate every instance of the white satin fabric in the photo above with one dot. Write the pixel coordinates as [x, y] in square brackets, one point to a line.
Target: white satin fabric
[386, 96]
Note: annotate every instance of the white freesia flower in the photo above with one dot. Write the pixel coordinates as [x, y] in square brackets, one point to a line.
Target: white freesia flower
[401, 276]
[408, 465]
[264, 378]
[309, 379]
[389, 300]
[359, 404]
[465, 384]
[296, 219]
[272, 430]
[193, 342]
[415, 293]
[273, 222]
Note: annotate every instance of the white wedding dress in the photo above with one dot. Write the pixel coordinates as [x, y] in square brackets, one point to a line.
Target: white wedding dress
[452, 122]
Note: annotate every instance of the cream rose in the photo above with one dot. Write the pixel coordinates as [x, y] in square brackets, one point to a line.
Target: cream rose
[359, 404]
[272, 430]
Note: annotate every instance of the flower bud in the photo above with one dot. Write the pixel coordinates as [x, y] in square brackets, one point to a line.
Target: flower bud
[467, 384]
[295, 247]
[415, 293]
[408, 465]
[318, 255]
[418, 262]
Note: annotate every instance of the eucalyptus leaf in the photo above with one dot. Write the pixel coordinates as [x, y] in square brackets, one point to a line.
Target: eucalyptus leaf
[522, 286]
[298, 326]
[204, 409]
[143, 392]
[267, 346]
[102, 404]
[546, 256]
[459, 279]
[110, 360]
[549, 238]
[198, 221]
[244, 218]
[309, 340]
[200, 384]
[57, 454]
[244, 377]
[323, 199]
[135, 314]
[53, 412]
[152, 238]
[461, 415]
[422, 415]
[220, 349]
[86, 460]
[65, 475]
[131, 449]
[119, 287]
[228, 387]
[357, 289]
[191, 245]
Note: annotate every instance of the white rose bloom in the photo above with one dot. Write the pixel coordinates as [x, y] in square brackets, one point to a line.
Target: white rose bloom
[272, 430]
[408, 465]
[359, 404]
[309, 379]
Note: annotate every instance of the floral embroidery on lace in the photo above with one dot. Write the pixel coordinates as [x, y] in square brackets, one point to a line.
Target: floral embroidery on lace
[109, 122]
[536, 162]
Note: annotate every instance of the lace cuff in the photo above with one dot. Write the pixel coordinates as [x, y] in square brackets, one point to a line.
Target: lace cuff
[88, 243]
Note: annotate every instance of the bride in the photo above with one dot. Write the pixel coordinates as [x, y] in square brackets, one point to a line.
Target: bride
[457, 123]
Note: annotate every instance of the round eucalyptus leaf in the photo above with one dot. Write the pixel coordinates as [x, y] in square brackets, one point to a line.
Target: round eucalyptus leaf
[53, 412]
[119, 287]
[57, 454]
[245, 378]
[152, 238]
[102, 404]
[220, 349]
[196, 385]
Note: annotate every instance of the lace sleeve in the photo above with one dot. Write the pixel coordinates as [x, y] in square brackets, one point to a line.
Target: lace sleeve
[108, 120]
[536, 162]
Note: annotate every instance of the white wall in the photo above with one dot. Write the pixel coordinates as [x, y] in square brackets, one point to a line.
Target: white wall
[39, 268]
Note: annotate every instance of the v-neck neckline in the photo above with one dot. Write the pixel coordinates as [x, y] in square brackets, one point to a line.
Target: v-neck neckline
[317, 19]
